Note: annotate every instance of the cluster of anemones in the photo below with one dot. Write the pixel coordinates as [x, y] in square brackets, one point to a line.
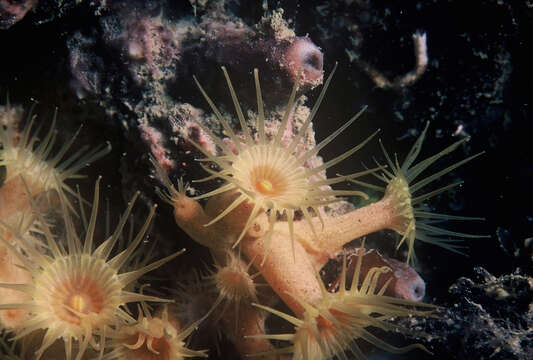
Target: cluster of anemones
[271, 206]
[60, 285]
[32, 177]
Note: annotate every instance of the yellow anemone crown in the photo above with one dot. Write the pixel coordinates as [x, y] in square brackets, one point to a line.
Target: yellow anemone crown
[266, 173]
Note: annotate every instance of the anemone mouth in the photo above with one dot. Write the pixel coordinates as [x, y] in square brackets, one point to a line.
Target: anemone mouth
[272, 174]
[79, 288]
[268, 181]
[161, 347]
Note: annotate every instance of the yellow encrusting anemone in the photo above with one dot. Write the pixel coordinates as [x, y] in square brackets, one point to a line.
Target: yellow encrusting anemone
[268, 175]
[411, 220]
[332, 327]
[233, 284]
[31, 156]
[153, 337]
[77, 292]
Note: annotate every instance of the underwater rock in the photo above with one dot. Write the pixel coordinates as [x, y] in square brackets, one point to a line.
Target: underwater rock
[485, 317]
[139, 64]
[12, 12]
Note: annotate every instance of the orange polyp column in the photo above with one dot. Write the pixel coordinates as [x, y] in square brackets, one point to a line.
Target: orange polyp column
[284, 272]
[340, 230]
[13, 197]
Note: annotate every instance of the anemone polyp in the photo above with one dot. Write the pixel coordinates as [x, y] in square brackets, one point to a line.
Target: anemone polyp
[29, 155]
[331, 327]
[156, 337]
[410, 219]
[234, 283]
[267, 174]
[77, 292]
